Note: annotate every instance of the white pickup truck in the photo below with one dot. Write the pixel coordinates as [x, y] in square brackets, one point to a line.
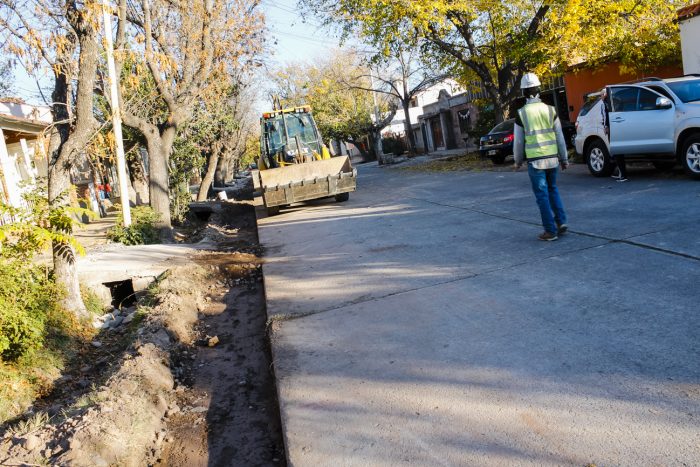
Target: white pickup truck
[657, 120]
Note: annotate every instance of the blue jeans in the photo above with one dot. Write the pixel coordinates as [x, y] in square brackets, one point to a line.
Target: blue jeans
[544, 185]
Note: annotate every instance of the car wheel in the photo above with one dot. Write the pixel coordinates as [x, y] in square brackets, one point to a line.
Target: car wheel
[664, 165]
[598, 159]
[498, 160]
[342, 197]
[691, 156]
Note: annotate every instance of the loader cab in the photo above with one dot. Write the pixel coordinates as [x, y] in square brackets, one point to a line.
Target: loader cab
[289, 136]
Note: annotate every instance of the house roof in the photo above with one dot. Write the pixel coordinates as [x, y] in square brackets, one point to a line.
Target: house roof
[24, 125]
[689, 11]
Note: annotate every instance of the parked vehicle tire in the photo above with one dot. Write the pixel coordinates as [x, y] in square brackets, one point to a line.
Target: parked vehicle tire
[664, 165]
[498, 160]
[690, 156]
[273, 211]
[342, 197]
[598, 159]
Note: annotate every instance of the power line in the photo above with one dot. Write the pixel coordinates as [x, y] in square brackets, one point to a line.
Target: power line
[306, 38]
[296, 13]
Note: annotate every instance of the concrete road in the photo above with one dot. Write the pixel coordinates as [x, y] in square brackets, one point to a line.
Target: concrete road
[423, 323]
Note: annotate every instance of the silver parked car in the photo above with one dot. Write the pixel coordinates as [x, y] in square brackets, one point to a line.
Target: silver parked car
[657, 120]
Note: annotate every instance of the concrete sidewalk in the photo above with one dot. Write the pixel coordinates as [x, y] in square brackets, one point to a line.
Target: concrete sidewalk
[423, 323]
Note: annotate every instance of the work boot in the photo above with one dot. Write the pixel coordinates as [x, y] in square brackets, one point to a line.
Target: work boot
[547, 237]
[562, 228]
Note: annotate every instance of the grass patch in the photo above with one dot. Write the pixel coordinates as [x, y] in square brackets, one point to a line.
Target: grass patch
[92, 301]
[29, 425]
[466, 162]
[142, 230]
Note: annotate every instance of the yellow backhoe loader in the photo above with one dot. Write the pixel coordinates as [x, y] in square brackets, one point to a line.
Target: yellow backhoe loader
[294, 164]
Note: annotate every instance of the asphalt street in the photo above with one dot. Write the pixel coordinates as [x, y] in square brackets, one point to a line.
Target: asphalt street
[423, 323]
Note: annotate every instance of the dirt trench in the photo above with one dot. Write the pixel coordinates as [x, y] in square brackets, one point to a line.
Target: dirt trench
[189, 384]
[229, 414]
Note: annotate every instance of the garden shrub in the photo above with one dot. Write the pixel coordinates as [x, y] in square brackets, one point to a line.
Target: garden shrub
[27, 298]
[393, 145]
[142, 230]
[36, 334]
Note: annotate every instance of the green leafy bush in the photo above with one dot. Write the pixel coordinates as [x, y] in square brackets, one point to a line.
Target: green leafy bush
[142, 230]
[37, 335]
[484, 122]
[393, 145]
[28, 297]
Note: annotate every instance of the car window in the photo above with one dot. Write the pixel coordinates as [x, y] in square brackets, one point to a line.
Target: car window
[661, 91]
[588, 105]
[624, 99]
[503, 126]
[687, 90]
[647, 100]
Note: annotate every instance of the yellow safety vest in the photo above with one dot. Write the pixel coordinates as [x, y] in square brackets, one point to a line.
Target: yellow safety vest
[538, 125]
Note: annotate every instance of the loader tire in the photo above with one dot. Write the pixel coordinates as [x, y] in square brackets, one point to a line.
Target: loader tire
[342, 197]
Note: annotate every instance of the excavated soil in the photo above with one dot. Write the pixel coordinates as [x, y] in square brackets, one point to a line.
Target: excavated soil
[188, 382]
[229, 410]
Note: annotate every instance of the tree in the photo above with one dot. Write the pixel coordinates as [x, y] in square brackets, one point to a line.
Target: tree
[64, 36]
[401, 74]
[219, 131]
[6, 88]
[498, 41]
[339, 92]
[186, 47]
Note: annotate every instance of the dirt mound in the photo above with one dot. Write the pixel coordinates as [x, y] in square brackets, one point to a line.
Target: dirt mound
[118, 423]
[183, 380]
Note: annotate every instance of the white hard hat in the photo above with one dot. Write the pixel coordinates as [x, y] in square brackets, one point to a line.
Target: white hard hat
[530, 80]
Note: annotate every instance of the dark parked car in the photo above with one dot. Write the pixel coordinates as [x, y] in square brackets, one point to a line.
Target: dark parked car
[569, 130]
[498, 143]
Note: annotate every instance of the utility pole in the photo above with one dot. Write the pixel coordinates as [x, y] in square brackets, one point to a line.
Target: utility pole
[116, 114]
[374, 98]
[376, 135]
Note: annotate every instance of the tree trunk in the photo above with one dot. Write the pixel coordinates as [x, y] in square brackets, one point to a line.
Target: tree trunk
[208, 176]
[222, 172]
[160, 145]
[407, 129]
[499, 110]
[70, 138]
[139, 179]
[64, 255]
[376, 139]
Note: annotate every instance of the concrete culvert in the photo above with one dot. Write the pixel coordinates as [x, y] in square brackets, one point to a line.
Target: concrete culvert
[123, 294]
[202, 211]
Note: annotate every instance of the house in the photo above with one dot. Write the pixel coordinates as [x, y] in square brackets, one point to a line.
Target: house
[416, 108]
[445, 123]
[24, 159]
[689, 25]
[22, 149]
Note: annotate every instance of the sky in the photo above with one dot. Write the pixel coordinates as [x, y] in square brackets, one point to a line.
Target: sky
[295, 39]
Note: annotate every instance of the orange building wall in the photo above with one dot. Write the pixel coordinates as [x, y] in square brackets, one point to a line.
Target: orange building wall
[580, 82]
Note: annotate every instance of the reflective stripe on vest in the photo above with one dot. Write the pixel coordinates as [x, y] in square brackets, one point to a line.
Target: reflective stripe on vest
[538, 125]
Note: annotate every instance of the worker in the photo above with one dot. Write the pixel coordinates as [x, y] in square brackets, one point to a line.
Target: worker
[538, 138]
